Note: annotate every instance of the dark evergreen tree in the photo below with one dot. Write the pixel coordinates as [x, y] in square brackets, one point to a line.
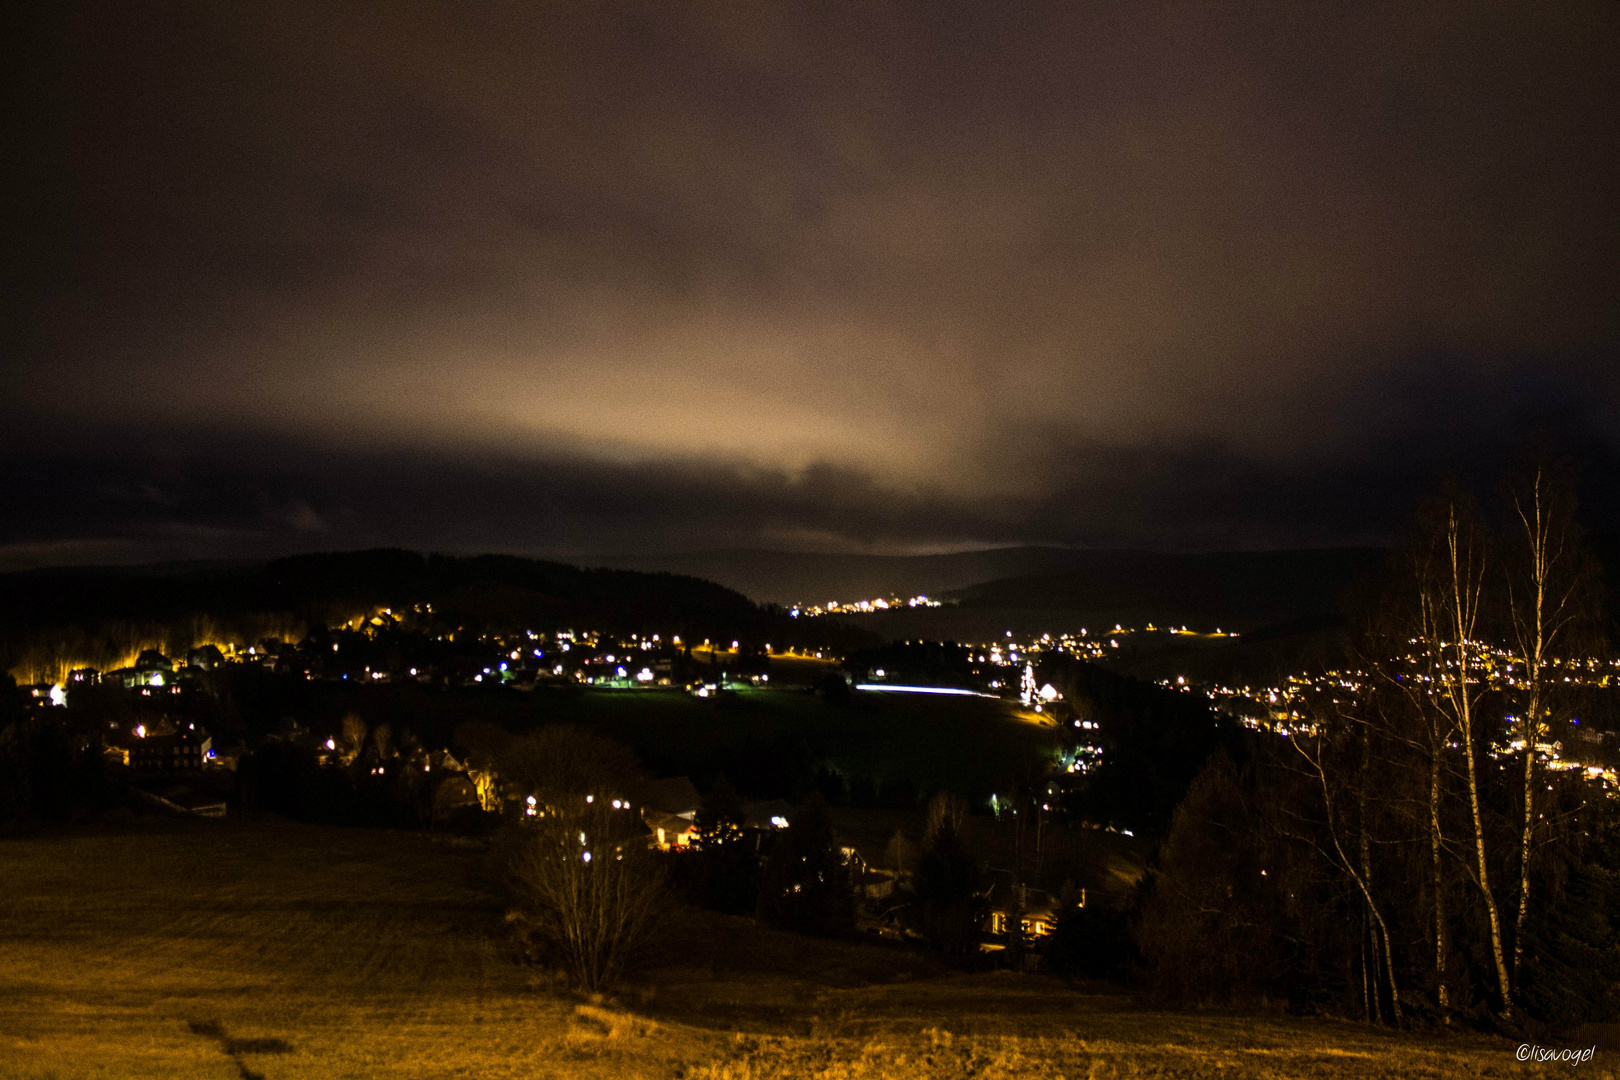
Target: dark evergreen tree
[806, 884]
[726, 866]
[1571, 971]
[1211, 929]
[951, 905]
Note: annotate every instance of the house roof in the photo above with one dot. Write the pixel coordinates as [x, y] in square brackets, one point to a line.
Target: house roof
[670, 823]
[1004, 897]
[674, 795]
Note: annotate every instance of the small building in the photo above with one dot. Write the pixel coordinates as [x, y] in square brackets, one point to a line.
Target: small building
[1035, 910]
[186, 751]
[670, 832]
[206, 657]
[150, 669]
[153, 660]
[669, 810]
[455, 795]
[45, 693]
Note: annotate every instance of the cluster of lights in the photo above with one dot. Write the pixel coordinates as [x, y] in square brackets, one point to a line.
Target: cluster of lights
[857, 607]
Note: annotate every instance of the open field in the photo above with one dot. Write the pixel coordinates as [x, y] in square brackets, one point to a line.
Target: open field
[769, 742]
[970, 745]
[216, 950]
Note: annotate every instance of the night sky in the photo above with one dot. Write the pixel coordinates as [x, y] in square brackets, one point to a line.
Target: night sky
[590, 278]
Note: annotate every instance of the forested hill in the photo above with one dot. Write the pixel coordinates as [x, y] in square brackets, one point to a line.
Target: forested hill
[1238, 590]
[95, 610]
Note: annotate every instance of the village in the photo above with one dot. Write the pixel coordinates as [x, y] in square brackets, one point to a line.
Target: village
[152, 717]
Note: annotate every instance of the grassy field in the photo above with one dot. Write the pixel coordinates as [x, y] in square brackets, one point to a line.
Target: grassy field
[771, 739]
[220, 950]
[969, 745]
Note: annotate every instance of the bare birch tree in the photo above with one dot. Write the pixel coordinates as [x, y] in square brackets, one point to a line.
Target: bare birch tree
[1402, 665]
[1455, 588]
[1549, 585]
[1359, 870]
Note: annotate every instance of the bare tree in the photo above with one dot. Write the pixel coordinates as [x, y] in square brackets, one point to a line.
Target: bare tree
[1359, 870]
[1398, 652]
[588, 886]
[1550, 585]
[353, 739]
[1453, 597]
[560, 759]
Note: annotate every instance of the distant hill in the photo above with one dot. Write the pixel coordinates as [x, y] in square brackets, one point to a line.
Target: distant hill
[1289, 606]
[100, 616]
[1047, 588]
[1235, 590]
[782, 577]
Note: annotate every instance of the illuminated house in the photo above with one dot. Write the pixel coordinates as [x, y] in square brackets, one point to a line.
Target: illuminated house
[669, 831]
[669, 809]
[150, 669]
[1035, 909]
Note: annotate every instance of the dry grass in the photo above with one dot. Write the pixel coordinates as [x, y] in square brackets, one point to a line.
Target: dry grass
[221, 951]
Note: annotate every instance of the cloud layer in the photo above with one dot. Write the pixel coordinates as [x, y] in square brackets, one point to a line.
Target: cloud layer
[597, 275]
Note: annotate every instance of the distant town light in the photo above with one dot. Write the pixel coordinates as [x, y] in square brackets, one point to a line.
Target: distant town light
[779, 821]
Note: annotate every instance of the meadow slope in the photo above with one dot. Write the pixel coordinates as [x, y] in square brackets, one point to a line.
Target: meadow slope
[219, 950]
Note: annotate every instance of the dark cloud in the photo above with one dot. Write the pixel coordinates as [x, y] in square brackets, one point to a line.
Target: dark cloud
[582, 277]
[123, 495]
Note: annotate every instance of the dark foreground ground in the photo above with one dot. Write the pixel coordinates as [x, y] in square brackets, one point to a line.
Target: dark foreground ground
[220, 950]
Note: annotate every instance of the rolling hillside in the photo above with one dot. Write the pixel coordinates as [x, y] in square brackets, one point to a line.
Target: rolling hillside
[99, 615]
